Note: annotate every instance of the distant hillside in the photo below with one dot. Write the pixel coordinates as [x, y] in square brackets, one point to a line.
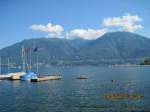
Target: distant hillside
[111, 48]
[118, 45]
[51, 50]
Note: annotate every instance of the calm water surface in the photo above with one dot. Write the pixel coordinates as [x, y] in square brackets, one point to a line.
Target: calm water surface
[73, 95]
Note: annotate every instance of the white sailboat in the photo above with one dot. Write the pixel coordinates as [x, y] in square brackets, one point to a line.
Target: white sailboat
[1, 76]
[44, 77]
[29, 74]
[7, 76]
[17, 75]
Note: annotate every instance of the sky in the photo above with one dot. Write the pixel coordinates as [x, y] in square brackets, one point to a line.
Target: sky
[87, 19]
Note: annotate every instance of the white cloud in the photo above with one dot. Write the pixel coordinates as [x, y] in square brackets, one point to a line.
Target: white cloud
[127, 22]
[52, 30]
[89, 34]
[55, 35]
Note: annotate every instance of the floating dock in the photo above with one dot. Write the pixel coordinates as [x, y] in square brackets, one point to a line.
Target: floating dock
[45, 78]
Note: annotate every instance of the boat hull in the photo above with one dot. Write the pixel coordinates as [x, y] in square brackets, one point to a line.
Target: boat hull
[6, 77]
[16, 76]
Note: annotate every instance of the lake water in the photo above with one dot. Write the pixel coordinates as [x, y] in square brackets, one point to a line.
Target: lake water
[73, 95]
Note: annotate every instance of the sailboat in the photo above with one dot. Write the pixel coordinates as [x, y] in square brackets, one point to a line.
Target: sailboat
[2, 77]
[16, 76]
[44, 77]
[30, 74]
[6, 76]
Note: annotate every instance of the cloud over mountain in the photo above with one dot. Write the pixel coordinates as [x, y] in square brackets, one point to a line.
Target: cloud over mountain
[52, 30]
[127, 22]
[89, 34]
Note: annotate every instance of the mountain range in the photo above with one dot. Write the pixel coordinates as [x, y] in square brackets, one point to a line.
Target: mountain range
[111, 48]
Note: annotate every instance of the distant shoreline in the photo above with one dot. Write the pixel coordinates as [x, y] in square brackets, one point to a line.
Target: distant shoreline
[129, 65]
[125, 65]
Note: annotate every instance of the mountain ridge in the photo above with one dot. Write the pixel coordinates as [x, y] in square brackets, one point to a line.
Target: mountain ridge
[111, 48]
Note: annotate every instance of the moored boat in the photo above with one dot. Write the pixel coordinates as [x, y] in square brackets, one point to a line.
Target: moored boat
[16, 76]
[28, 76]
[6, 77]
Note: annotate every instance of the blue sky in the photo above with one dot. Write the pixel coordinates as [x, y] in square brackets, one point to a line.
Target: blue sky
[23, 19]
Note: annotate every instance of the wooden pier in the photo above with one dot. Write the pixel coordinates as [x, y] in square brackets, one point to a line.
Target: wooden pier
[45, 78]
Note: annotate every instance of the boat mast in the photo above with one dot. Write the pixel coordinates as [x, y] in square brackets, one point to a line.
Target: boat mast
[23, 59]
[30, 61]
[0, 65]
[8, 66]
[37, 69]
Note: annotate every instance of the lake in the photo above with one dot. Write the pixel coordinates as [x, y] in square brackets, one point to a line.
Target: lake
[72, 95]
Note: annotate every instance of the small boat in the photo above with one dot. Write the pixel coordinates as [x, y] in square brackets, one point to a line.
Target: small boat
[45, 78]
[2, 77]
[16, 76]
[81, 77]
[28, 76]
[6, 77]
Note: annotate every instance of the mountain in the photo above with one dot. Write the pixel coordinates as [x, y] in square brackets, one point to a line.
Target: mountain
[118, 45]
[111, 48]
[78, 42]
[51, 49]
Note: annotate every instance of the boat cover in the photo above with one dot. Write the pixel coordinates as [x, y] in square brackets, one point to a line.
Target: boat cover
[28, 76]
